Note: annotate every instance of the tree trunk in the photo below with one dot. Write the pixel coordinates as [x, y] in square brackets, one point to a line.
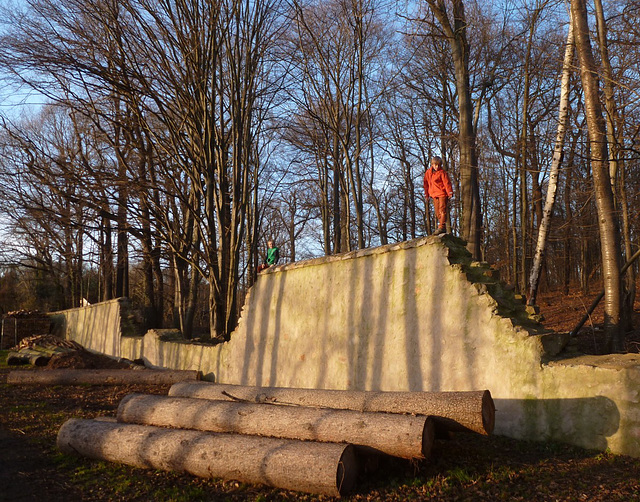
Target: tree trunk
[322, 468]
[563, 114]
[607, 221]
[521, 166]
[106, 257]
[456, 411]
[101, 377]
[402, 436]
[456, 35]
[616, 164]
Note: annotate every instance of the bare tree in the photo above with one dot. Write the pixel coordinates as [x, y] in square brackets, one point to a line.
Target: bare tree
[454, 27]
[335, 50]
[199, 70]
[607, 221]
[44, 201]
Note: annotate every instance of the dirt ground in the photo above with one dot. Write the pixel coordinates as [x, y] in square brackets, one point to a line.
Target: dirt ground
[30, 417]
[469, 467]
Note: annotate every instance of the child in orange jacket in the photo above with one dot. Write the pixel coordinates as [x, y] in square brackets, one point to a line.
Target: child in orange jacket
[437, 185]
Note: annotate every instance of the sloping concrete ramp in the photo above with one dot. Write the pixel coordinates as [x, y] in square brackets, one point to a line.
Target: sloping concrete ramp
[415, 316]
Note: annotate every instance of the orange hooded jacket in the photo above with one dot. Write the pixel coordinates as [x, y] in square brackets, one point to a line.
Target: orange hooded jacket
[437, 183]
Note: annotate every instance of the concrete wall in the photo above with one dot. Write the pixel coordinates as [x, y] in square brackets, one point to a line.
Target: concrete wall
[96, 327]
[419, 315]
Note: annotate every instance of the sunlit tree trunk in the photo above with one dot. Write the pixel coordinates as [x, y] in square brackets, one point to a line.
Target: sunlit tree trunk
[607, 221]
[616, 164]
[469, 186]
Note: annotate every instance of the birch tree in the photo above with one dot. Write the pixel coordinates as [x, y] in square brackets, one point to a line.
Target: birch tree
[616, 163]
[563, 113]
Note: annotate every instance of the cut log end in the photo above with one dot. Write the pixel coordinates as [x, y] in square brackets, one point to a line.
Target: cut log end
[347, 472]
[428, 437]
[488, 412]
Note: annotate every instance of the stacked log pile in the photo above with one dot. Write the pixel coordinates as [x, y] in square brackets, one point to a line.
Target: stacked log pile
[470, 411]
[82, 366]
[38, 350]
[297, 439]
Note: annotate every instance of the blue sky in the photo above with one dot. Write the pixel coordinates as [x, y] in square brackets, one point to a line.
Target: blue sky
[15, 99]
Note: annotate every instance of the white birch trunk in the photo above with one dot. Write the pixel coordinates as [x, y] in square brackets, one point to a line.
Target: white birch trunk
[563, 113]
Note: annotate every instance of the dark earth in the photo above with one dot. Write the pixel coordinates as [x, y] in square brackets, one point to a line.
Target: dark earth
[467, 467]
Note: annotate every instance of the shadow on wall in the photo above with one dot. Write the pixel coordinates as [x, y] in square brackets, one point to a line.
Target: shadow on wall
[258, 335]
[367, 320]
[358, 323]
[586, 422]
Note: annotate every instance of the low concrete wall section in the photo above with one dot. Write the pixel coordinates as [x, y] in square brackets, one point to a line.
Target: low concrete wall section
[418, 315]
[103, 327]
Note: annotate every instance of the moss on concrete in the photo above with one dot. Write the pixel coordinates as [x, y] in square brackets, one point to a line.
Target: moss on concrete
[486, 280]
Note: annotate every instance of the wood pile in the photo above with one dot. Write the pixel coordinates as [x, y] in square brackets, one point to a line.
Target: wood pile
[69, 363]
[471, 411]
[24, 313]
[297, 439]
[38, 350]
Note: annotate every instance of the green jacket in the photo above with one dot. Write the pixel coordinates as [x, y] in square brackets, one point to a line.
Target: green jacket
[273, 255]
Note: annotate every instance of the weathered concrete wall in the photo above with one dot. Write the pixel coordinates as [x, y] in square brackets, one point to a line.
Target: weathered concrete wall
[399, 317]
[96, 327]
[417, 315]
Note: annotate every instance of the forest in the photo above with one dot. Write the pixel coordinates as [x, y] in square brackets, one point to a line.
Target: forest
[150, 148]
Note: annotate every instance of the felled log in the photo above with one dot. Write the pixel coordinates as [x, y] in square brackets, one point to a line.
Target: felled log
[322, 468]
[25, 356]
[404, 436]
[102, 377]
[453, 411]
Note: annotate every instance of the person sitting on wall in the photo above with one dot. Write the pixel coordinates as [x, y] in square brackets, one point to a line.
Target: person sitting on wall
[272, 257]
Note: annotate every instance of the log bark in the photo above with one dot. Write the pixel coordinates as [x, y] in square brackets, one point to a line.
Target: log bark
[321, 468]
[101, 377]
[404, 436]
[453, 411]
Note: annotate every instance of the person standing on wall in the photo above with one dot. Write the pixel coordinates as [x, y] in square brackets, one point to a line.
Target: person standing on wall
[437, 185]
[272, 257]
